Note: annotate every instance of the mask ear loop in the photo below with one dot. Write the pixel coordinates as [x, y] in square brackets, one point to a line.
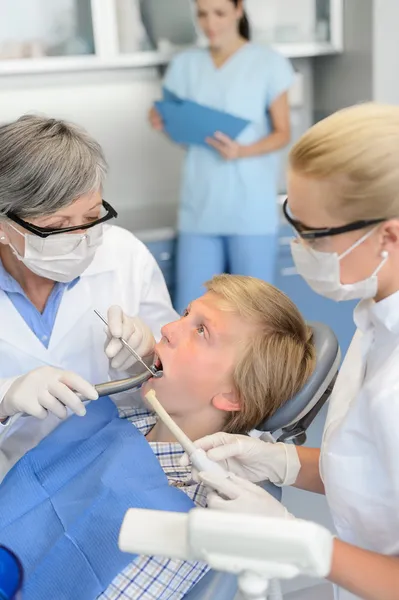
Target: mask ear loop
[384, 255]
[358, 243]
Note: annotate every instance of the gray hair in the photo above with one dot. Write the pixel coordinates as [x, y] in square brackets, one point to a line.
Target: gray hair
[46, 164]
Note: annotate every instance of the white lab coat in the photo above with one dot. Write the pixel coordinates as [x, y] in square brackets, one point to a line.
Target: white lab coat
[360, 449]
[123, 272]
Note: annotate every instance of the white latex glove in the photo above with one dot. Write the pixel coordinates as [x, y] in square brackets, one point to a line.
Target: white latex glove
[134, 331]
[241, 496]
[251, 458]
[45, 390]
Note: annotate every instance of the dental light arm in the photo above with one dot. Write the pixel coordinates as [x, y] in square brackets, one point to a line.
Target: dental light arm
[255, 548]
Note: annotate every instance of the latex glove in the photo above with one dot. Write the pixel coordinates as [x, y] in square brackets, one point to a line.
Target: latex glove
[251, 458]
[45, 390]
[134, 331]
[241, 496]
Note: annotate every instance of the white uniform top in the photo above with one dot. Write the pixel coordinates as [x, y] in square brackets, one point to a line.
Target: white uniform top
[360, 450]
[123, 272]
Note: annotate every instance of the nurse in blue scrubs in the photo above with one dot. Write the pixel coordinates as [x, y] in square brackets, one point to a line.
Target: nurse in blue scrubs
[228, 216]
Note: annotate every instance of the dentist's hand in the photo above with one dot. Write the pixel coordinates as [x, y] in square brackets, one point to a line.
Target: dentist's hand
[241, 496]
[45, 390]
[136, 333]
[252, 458]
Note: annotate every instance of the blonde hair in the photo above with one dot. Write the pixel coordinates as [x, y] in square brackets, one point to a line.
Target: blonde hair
[357, 150]
[278, 359]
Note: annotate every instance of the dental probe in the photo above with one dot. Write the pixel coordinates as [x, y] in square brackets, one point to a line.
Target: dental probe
[133, 352]
[197, 456]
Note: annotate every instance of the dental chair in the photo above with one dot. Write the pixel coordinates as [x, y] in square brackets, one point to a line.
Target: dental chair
[288, 424]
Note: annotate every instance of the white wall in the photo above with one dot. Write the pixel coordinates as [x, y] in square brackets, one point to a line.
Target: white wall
[145, 168]
[113, 107]
[347, 78]
[369, 67]
[386, 51]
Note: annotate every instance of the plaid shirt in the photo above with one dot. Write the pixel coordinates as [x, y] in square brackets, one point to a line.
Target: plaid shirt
[156, 578]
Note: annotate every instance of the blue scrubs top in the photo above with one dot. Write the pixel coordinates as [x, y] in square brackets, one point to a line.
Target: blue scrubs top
[220, 197]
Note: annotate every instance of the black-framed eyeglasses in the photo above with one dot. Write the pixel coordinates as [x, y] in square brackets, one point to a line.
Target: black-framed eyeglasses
[43, 232]
[307, 233]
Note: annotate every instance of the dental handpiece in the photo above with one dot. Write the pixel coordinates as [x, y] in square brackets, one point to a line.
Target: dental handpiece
[197, 456]
[151, 370]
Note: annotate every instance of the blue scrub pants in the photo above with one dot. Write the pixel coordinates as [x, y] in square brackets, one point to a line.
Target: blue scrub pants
[200, 257]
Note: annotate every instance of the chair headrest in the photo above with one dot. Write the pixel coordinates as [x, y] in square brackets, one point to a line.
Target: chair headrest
[327, 363]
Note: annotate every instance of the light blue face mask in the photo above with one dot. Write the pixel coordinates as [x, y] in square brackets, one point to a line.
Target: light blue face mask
[321, 270]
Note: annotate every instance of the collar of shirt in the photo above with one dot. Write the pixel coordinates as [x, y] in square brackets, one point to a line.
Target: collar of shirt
[168, 453]
[378, 322]
[11, 286]
[380, 316]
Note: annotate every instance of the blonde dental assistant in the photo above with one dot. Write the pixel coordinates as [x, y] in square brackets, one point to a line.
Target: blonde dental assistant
[228, 214]
[59, 259]
[344, 204]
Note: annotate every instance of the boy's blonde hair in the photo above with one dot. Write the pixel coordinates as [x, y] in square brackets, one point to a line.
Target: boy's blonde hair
[277, 360]
[357, 150]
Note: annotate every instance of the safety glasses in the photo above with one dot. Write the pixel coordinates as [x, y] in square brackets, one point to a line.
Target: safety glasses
[44, 232]
[307, 233]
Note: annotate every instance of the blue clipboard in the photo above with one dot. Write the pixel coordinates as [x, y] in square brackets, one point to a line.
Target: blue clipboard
[170, 96]
[189, 123]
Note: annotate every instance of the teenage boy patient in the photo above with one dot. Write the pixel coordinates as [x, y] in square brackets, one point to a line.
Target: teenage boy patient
[236, 355]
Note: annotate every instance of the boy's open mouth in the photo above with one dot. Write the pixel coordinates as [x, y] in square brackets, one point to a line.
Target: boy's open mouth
[158, 363]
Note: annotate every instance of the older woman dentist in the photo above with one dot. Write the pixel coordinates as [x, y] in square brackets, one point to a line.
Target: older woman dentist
[343, 203]
[60, 259]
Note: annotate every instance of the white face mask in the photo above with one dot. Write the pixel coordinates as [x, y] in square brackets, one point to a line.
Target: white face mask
[60, 257]
[321, 270]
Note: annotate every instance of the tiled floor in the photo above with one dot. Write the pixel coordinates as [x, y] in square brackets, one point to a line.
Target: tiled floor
[319, 592]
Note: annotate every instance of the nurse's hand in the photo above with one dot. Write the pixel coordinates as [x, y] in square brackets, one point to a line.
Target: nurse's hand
[229, 149]
[155, 119]
[134, 331]
[45, 390]
[252, 458]
[234, 494]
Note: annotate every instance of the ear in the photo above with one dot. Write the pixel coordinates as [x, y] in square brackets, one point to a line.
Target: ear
[240, 10]
[390, 235]
[227, 402]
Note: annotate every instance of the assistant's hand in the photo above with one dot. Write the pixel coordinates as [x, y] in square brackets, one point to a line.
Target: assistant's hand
[136, 333]
[45, 390]
[155, 119]
[241, 496]
[229, 149]
[252, 458]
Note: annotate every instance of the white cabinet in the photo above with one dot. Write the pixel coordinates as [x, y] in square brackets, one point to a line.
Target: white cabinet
[315, 25]
[44, 28]
[72, 35]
